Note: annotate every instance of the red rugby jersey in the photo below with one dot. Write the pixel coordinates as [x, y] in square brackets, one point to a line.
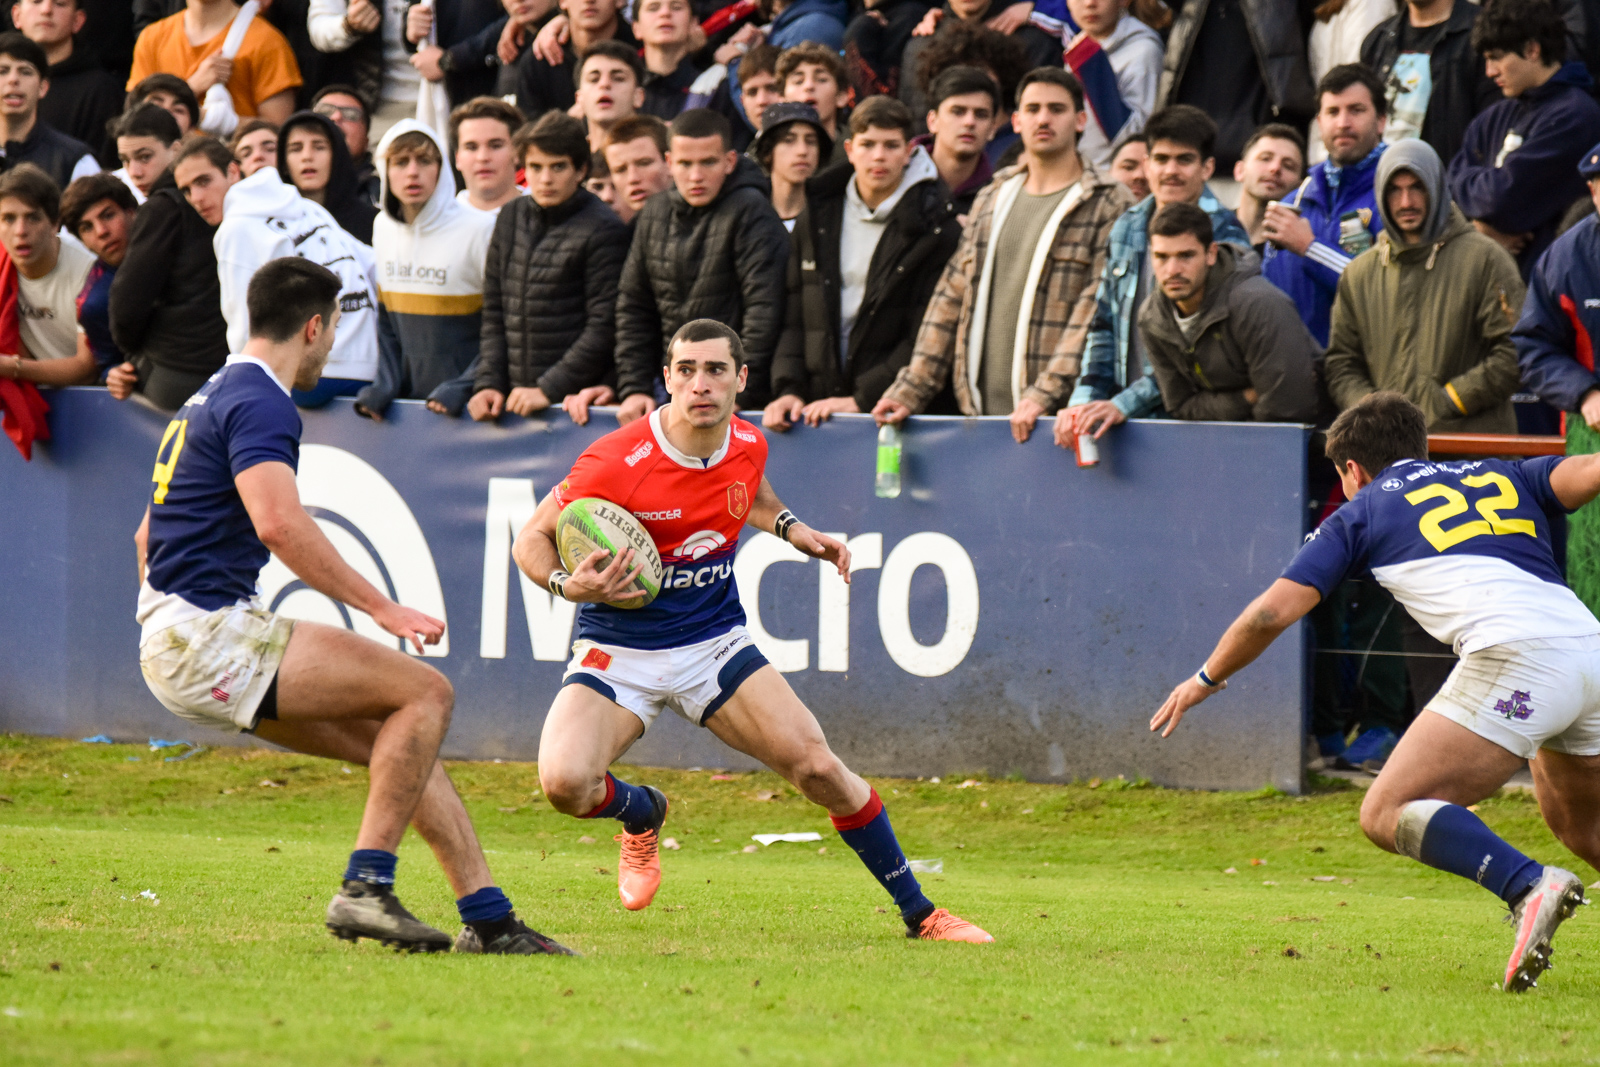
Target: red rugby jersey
[693, 509]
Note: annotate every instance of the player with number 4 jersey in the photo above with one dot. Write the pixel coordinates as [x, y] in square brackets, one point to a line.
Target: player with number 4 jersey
[1466, 548]
[693, 475]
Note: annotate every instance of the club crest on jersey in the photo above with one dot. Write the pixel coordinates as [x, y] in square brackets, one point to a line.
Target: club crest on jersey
[596, 660]
[1516, 707]
[738, 500]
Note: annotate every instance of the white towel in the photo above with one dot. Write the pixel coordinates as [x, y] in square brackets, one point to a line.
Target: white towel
[217, 115]
[433, 103]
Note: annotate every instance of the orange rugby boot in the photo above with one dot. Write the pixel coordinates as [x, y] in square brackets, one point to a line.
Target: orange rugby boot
[942, 926]
[639, 865]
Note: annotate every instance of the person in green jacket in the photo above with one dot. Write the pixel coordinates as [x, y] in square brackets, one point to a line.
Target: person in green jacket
[1428, 310]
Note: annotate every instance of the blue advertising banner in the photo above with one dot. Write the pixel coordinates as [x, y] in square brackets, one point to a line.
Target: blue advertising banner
[1009, 612]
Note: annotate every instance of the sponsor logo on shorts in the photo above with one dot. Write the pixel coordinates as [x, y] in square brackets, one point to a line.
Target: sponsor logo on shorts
[738, 500]
[219, 692]
[658, 516]
[1516, 707]
[596, 660]
[639, 453]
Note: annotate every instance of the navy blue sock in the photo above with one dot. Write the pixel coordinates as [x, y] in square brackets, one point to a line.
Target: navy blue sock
[371, 865]
[869, 833]
[628, 804]
[484, 906]
[1455, 840]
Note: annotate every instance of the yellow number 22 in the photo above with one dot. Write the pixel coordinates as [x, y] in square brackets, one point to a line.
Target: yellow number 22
[1456, 504]
[177, 429]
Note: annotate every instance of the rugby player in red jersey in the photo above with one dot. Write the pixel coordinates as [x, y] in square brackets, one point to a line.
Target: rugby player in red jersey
[693, 475]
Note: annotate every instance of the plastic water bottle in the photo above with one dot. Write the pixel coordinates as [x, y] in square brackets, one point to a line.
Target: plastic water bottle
[888, 481]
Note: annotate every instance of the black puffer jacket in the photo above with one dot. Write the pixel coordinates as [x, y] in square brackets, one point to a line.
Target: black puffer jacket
[166, 300]
[550, 295]
[1461, 89]
[920, 235]
[725, 261]
[1277, 31]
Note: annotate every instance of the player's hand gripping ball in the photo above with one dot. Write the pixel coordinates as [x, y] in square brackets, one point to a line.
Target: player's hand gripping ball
[590, 524]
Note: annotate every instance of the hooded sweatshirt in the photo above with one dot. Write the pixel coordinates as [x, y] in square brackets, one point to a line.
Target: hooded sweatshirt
[1431, 320]
[264, 218]
[1135, 52]
[343, 196]
[430, 290]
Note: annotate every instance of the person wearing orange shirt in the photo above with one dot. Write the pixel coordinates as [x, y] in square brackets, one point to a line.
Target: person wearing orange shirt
[261, 79]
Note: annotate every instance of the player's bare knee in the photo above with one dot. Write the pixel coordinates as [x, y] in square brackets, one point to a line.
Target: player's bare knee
[1378, 818]
[568, 792]
[817, 772]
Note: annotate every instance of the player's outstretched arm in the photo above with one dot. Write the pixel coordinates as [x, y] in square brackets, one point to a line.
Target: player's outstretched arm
[1576, 480]
[598, 579]
[769, 514]
[273, 501]
[1281, 606]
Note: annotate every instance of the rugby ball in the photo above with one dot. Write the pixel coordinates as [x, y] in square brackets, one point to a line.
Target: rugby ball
[591, 524]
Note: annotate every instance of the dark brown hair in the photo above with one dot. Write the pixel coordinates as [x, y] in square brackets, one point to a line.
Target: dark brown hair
[708, 330]
[811, 52]
[636, 126]
[1378, 430]
[33, 187]
[88, 191]
[485, 107]
[555, 134]
[884, 113]
[1175, 220]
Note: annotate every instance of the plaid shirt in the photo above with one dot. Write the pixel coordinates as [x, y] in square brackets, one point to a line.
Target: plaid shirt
[1063, 305]
[1106, 374]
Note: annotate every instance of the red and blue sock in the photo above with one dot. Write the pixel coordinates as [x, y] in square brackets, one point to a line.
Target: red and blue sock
[869, 833]
[1450, 838]
[630, 805]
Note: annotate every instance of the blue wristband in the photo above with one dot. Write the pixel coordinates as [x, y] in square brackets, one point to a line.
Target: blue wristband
[1205, 679]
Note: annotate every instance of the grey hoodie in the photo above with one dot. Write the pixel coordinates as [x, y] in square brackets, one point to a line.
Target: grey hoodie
[1420, 159]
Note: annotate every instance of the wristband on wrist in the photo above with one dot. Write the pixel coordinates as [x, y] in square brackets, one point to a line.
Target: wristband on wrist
[784, 523]
[1205, 679]
[558, 584]
[1455, 397]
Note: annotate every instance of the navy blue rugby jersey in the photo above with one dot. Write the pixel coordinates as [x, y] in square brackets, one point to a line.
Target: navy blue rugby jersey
[203, 546]
[1465, 547]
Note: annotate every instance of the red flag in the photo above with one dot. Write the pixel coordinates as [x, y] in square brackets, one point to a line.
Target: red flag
[22, 409]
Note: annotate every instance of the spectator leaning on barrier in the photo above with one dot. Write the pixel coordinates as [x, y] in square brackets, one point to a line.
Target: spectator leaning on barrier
[344, 107]
[1432, 74]
[550, 287]
[1115, 383]
[83, 97]
[636, 155]
[1516, 175]
[99, 211]
[1429, 311]
[260, 79]
[867, 251]
[790, 148]
[483, 131]
[27, 138]
[166, 302]
[430, 263]
[147, 142]
[710, 248]
[314, 158]
[963, 112]
[1274, 162]
[1226, 344]
[1008, 320]
[608, 88]
[50, 275]
[254, 144]
[1335, 216]
[262, 218]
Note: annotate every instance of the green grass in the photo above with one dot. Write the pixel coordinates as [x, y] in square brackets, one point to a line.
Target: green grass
[1118, 933]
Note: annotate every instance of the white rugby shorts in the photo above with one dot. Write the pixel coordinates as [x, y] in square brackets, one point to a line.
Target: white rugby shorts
[214, 669]
[693, 681]
[1528, 695]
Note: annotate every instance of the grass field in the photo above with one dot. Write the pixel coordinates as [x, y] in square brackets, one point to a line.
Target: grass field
[1119, 936]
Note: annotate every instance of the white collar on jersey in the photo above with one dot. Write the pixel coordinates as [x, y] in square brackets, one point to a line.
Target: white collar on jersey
[270, 372]
[683, 459]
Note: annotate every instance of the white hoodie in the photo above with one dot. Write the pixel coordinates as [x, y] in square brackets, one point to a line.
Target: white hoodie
[263, 219]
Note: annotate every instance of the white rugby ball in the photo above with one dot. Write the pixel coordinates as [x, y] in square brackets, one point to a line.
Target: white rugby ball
[591, 524]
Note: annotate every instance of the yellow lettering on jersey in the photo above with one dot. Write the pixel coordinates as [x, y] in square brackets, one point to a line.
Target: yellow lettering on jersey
[1491, 506]
[177, 430]
[1454, 504]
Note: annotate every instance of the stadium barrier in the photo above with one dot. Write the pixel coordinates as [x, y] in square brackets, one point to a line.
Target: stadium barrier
[1011, 612]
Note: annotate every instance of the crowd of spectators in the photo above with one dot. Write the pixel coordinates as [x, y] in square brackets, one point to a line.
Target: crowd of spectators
[1005, 209]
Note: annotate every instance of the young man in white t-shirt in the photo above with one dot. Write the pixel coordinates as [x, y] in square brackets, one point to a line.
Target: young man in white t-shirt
[482, 130]
[50, 275]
